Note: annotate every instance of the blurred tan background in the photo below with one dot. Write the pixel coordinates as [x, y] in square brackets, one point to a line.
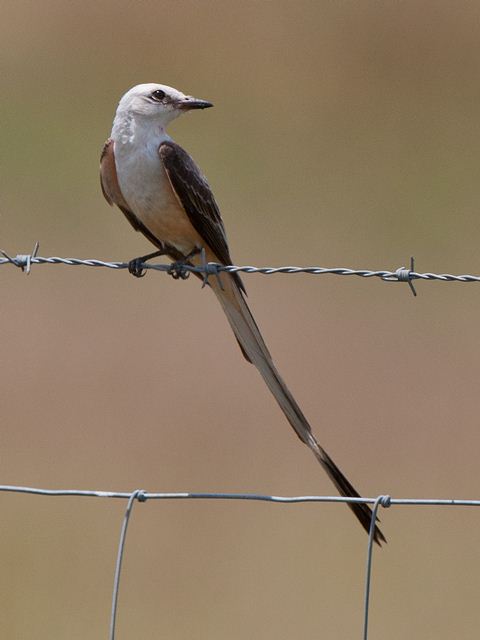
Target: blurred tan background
[343, 134]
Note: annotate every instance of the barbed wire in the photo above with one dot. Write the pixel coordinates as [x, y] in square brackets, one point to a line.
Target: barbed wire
[180, 270]
[140, 495]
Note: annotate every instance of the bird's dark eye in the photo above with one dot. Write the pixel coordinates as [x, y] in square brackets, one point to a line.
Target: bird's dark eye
[158, 95]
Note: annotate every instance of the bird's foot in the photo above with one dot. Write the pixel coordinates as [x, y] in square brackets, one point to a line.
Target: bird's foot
[178, 270]
[137, 266]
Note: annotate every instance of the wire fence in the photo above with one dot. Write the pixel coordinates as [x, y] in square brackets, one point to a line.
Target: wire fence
[181, 270]
[402, 274]
[139, 495]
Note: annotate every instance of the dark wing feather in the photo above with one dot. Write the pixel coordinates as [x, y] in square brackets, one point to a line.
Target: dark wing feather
[196, 197]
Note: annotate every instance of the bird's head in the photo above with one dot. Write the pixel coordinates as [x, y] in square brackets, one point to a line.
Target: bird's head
[158, 103]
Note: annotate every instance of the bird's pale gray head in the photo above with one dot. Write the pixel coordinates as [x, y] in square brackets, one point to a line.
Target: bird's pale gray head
[158, 102]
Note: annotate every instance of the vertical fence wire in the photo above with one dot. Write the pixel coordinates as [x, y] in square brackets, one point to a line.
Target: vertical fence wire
[384, 501]
[139, 495]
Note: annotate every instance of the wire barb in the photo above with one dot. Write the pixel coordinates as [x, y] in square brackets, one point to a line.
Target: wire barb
[404, 275]
[21, 260]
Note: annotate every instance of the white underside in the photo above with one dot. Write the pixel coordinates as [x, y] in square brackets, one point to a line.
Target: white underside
[147, 190]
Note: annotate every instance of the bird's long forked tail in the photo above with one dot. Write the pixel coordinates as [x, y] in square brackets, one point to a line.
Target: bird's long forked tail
[255, 350]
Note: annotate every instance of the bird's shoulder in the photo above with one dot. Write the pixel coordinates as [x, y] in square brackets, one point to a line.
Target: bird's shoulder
[175, 158]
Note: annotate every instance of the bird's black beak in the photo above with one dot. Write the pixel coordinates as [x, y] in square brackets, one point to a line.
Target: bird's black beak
[189, 102]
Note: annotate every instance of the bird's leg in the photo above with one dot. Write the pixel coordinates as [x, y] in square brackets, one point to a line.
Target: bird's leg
[135, 266]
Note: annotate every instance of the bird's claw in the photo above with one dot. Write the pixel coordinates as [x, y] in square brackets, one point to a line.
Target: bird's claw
[136, 267]
[178, 271]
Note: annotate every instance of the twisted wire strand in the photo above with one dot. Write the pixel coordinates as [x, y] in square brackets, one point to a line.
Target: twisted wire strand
[25, 261]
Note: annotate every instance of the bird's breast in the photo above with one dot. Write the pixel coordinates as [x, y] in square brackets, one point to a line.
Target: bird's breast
[149, 194]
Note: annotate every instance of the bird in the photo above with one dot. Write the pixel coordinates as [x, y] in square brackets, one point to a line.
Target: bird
[164, 195]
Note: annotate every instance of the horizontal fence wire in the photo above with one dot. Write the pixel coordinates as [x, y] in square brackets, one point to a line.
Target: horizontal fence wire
[401, 274]
[139, 495]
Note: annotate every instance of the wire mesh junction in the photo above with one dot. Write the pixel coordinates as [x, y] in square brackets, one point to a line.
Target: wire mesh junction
[142, 496]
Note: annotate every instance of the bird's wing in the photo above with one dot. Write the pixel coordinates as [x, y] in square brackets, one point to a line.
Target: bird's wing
[195, 196]
[108, 176]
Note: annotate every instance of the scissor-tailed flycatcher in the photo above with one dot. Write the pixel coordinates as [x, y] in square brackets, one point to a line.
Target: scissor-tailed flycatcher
[164, 195]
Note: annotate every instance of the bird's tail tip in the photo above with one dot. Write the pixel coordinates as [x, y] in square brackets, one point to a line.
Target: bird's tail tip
[361, 510]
